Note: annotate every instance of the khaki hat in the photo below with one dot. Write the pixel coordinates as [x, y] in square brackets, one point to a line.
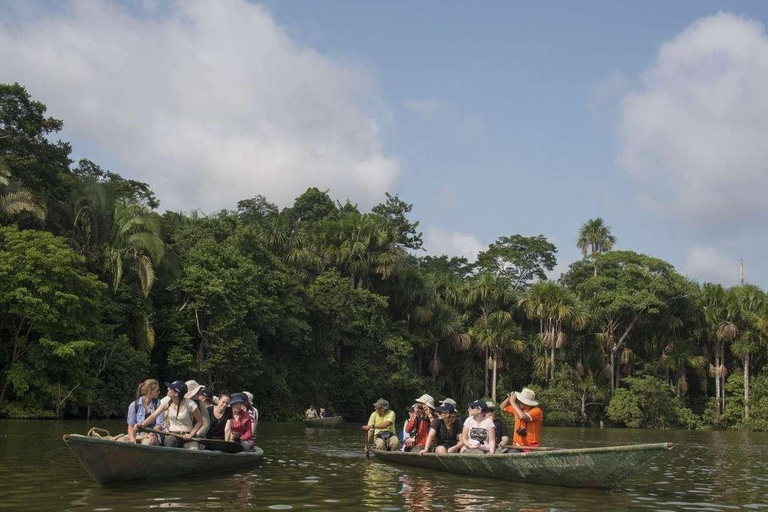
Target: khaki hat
[491, 406]
[527, 396]
[427, 400]
[381, 403]
[193, 388]
[449, 401]
[249, 395]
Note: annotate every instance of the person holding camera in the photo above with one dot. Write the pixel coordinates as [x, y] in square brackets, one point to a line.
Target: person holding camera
[419, 421]
[528, 417]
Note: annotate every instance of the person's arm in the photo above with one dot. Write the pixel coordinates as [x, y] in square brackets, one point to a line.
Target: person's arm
[505, 403]
[518, 411]
[247, 430]
[492, 439]
[465, 436]
[428, 442]
[160, 408]
[228, 430]
[203, 432]
[455, 448]
[197, 426]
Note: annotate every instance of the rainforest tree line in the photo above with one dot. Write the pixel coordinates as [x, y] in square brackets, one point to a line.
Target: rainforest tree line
[321, 302]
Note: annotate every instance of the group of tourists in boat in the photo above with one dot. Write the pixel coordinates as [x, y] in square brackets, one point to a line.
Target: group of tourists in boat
[313, 414]
[440, 429]
[190, 411]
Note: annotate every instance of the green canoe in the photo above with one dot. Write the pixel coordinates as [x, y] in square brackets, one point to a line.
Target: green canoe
[600, 468]
[333, 421]
[111, 461]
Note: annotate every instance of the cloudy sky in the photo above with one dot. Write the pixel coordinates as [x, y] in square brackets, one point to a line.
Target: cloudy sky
[493, 118]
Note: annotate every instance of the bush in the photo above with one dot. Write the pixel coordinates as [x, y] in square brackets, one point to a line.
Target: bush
[649, 403]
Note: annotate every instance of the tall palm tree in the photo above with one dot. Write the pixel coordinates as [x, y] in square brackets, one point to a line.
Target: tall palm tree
[496, 334]
[595, 238]
[719, 331]
[555, 307]
[679, 357]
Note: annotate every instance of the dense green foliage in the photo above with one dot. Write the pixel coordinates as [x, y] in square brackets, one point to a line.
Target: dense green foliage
[323, 303]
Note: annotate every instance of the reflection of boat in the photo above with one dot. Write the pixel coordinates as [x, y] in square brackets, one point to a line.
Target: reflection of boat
[601, 467]
[333, 421]
[110, 461]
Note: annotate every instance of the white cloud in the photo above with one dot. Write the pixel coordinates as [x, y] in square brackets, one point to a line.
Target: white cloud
[707, 264]
[439, 241]
[210, 102]
[425, 107]
[693, 134]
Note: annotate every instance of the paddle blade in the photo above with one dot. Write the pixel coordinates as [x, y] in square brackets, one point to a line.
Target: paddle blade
[222, 446]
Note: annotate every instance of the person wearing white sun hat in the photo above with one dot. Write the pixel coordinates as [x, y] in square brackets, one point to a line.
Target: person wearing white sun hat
[528, 417]
[419, 422]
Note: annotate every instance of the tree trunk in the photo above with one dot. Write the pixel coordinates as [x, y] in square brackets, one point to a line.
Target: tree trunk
[717, 381]
[552, 362]
[613, 370]
[493, 395]
[746, 386]
[486, 372]
[583, 408]
[722, 378]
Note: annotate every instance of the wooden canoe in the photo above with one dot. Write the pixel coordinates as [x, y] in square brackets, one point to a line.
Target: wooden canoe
[599, 468]
[111, 461]
[330, 422]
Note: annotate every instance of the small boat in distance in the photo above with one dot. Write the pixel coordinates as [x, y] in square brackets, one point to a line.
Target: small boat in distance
[112, 461]
[331, 422]
[598, 468]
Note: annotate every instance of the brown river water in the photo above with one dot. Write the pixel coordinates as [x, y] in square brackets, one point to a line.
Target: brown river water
[314, 469]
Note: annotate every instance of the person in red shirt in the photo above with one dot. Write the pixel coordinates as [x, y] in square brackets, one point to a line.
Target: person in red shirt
[418, 423]
[528, 417]
[239, 427]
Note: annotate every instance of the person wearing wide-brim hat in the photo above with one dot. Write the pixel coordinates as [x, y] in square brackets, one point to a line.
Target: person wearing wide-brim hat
[381, 427]
[195, 393]
[528, 417]
[238, 428]
[419, 422]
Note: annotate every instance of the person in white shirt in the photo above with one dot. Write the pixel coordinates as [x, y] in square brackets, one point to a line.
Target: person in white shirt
[479, 433]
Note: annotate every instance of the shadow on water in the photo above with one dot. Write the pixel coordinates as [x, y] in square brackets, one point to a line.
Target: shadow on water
[325, 469]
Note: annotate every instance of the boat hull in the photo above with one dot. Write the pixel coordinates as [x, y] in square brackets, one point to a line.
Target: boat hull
[111, 461]
[333, 421]
[598, 468]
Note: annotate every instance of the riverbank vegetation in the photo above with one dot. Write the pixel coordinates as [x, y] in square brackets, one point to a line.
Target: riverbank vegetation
[322, 302]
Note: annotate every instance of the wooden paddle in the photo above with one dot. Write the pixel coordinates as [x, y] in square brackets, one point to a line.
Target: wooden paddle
[367, 447]
[533, 448]
[216, 444]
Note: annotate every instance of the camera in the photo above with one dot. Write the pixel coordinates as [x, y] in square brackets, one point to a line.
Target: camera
[522, 432]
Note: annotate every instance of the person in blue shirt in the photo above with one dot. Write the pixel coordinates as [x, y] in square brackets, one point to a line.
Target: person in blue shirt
[145, 404]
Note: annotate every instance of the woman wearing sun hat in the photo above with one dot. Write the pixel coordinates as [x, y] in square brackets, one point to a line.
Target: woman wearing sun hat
[195, 393]
[183, 416]
[419, 422]
[528, 417]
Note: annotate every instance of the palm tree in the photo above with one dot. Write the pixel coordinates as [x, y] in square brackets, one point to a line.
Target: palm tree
[719, 330]
[595, 238]
[555, 307]
[680, 356]
[15, 199]
[497, 333]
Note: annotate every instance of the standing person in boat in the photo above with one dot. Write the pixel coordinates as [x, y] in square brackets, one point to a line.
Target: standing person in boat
[219, 414]
[253, 412]
[444, 432]
[239, 427]
[195, 393]
[311, 413]
[528, 417]
[502, 436]
[479, 433]
[145, 404]
[381, 427]
[419, 421]
[182, 416]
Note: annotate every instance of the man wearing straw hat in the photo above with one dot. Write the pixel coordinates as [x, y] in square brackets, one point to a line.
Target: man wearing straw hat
[528, 417]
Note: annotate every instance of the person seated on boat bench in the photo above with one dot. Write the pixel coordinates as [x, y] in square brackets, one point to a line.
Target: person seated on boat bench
[194, 393]
[253, 412]
[381, 427]
[323, 413]
[479, 433]
[206, 397]
[405, 435]
[502, 436]
[219, 414]
[444, 432]
[311, 413]
[239, 427]
[145, 404]
[528, 417]
[182, 416]
[420, 420]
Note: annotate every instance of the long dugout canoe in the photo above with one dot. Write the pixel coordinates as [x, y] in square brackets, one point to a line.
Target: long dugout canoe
[111, 461]
[333, 421]
[598, 468]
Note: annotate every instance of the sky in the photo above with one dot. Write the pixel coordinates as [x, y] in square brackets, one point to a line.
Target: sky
[492, 118]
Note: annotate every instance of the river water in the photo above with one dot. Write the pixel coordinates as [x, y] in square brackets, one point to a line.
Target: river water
[316, 469]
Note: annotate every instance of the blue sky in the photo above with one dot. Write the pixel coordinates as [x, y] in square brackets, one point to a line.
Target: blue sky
[492, 118]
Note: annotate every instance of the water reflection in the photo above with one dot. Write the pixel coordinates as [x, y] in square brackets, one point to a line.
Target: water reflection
[326, 470]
